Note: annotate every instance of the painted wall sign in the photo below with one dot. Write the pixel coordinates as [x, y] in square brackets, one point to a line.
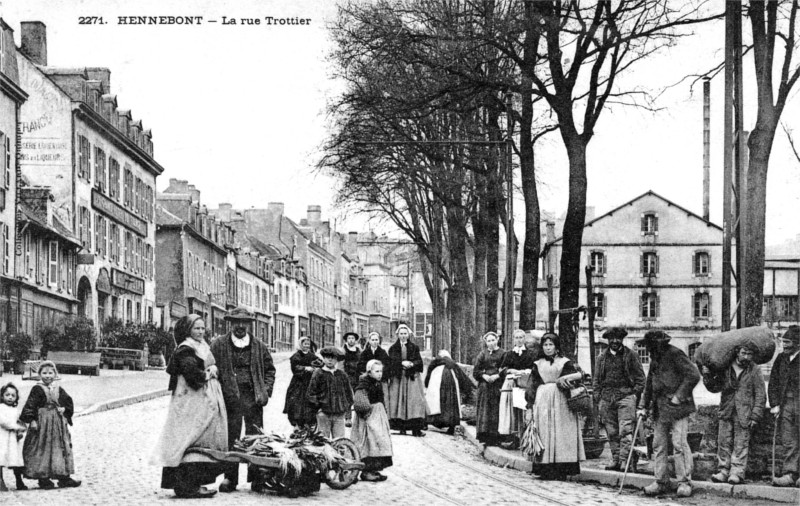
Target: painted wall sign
[107, 206]
[125, 281]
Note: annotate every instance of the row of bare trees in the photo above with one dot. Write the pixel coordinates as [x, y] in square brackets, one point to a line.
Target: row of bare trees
[419, 133]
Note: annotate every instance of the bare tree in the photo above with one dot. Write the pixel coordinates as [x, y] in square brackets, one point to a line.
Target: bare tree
[771, 23]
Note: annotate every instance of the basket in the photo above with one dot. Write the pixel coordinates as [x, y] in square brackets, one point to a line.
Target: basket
[580, 402]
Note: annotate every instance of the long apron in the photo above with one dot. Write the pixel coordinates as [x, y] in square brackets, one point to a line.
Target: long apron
[48, 450]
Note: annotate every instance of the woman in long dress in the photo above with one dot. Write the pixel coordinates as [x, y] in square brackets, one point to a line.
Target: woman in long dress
[446, 387]
[303, 364]
[514, 368]
[559, 428]
[407, 407]
[487, 373]
[196, 416]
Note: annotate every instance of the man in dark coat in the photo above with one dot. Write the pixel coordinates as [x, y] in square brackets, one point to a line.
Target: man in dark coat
[246, 374]
[784, 398]
[741, 406]
[618, 382]
[668, 395]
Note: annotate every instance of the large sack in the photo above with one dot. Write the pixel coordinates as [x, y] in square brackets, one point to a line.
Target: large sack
[718, 351]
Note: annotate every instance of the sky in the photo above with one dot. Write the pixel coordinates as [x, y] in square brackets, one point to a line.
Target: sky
[239, 110]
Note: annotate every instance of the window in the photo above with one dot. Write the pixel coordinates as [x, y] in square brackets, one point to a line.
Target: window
[702, 305]
[597, 260]
[5, 160]
[644, 356]
[100, 169]
[649, 263]
[649, 306]
[599, 302]
[650, 224]
[5, 248]
[52, 262]
[85, 228]
[113, 179]
[99, 234]
[84, 149]
[137, 196]
[127, 190]
[128, 250]
[702, 264]
[113, 232]
[780, 308]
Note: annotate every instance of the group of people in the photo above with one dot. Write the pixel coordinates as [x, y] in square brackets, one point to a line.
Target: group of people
[625, 397]
[35, 443]
[217, 390]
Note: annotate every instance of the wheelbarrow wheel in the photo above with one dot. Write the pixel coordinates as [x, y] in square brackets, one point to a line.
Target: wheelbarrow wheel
[337, 478]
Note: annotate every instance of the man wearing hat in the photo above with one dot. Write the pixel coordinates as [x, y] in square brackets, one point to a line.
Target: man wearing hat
[784, 397]
[329, 394]
[247, 375]
[668, 396]
[742, 402]
[618, 382]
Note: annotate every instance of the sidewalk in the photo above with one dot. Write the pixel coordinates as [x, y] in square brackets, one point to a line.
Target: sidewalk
[113, 388]
[514, 459]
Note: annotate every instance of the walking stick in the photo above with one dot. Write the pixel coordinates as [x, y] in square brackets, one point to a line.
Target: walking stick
[774, 439]
[630, 453]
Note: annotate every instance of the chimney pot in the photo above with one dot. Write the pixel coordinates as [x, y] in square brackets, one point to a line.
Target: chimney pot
[34, 41]
[275, 207]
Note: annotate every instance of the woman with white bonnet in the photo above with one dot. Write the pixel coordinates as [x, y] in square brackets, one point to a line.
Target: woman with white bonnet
[447, 387]
[407, 408]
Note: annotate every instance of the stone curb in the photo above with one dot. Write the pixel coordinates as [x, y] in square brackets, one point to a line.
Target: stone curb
[135, 399]
[505, 458]
[124, 401]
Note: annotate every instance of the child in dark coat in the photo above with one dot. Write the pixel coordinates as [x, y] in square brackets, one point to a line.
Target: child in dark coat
[330, 395]
[48, 445]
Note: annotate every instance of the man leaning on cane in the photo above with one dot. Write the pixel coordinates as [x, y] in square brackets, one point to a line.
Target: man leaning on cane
[618, 382]
[742, 402]
[784, 398]
[668, 394]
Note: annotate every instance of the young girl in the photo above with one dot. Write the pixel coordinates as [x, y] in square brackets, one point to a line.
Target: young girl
[11, 432]
[371, 424]
[48, 446]
[330, 395]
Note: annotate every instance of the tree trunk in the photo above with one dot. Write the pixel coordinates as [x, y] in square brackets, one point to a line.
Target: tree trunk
[492, 226]
[760, 145]
[531, 247]
[569, 283]
[461, 300]
[479, 276]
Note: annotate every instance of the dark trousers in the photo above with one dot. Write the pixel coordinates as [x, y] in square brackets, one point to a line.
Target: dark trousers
[619, 420]
[789, 420]
[253, 415]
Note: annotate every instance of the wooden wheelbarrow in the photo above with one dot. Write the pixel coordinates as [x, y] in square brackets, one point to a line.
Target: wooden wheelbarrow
[341, 474]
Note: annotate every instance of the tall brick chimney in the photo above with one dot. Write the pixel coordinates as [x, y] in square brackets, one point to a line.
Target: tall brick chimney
[195, 193]
[314, 215]
[34, 41]
[225, 212]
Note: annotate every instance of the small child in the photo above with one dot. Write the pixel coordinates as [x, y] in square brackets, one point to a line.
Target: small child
[371, 424]
[48, 446]
[329, 394]
[11, 433]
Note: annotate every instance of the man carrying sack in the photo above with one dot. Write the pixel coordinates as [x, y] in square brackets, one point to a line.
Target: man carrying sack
[668, 395]
[742, 402]
[618, 382]
[784, 398]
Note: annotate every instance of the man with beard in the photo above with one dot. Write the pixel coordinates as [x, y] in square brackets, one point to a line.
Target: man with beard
[784, 398]
[618, 382]
[247, 375]
[668, 396]
[742, 401]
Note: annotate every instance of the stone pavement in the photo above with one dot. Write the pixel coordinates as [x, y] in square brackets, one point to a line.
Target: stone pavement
[112, 449]
[749, 493]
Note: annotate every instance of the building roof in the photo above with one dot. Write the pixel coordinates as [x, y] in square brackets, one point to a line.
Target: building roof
[164, 217]
[58, 229]
[643, 195]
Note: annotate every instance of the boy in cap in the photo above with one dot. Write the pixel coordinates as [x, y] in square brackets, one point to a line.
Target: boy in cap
[330, 394]
[741, 406]
[668, 395]
[618, 382]
[784, 397]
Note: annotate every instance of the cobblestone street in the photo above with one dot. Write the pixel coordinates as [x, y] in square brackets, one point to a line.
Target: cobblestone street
[112, 450]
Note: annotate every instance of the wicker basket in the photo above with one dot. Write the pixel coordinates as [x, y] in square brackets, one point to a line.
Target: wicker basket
[580, 402]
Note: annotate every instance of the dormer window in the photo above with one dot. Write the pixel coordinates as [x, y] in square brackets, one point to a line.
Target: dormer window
[649, 224]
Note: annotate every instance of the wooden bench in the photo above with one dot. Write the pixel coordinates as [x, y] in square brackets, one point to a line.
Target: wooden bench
[114, 357]
[80, 360]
